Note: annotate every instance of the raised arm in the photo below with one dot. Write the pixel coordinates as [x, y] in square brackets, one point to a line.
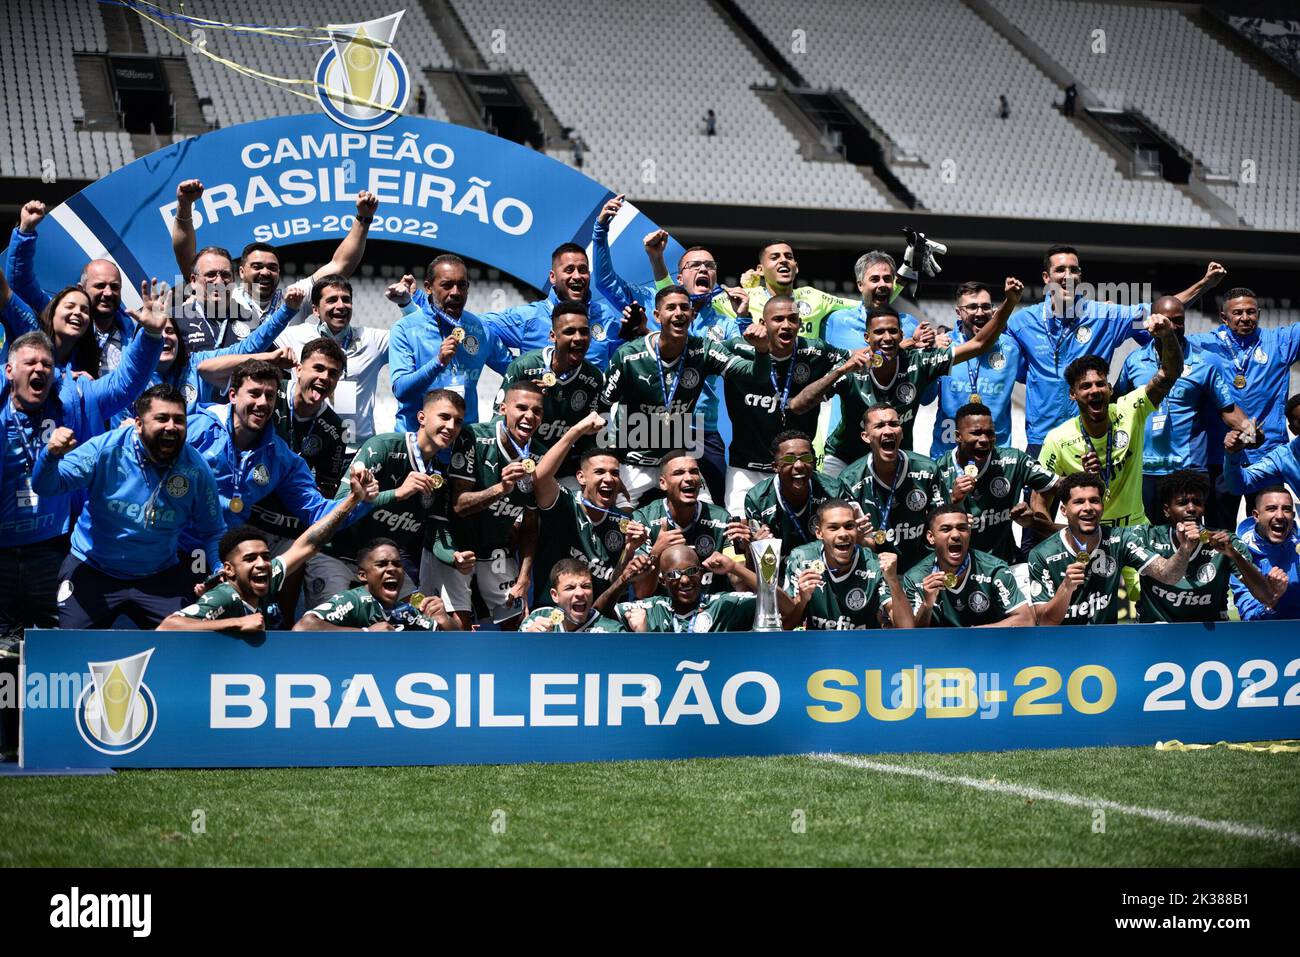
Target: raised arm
[347, 256]
[17, 316]
[603, 276]
[20, 269]
[1171, 359]
[813, 393]
[984, 339]
[117, 390]
[1241, 479]
[1214, 274]
[545, 488]
[363, 487]
[184, 243]
[411, 382]
[61, 467]
[1170, 570]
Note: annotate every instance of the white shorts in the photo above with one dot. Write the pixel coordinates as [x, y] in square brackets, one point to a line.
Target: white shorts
[832, 466]
[495, 577]
[639, 479]
[739, 482]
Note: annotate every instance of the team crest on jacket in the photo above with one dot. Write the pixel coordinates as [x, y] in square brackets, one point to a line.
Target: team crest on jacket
[916, 500]
[458, 460]
[703, 622]
[1000, 487]
[979, 602]
[704, 546]
[803, 307]
[690, 378]
[1121, 439]
[578, 401]
[1205, 574]
[906, 393]
[997, 360]
[241, 329]
[613, 540]
[261, 475]
[191, 394]
[471, 345]
[178, 486]
[598, 333]
[1104, 564]
[801, 373]
[856, 600]
[1083, 335]
[311, 445]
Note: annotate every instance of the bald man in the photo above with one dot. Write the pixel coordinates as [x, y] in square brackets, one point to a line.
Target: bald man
[100, 278]
[1182, 432]
[683, 606]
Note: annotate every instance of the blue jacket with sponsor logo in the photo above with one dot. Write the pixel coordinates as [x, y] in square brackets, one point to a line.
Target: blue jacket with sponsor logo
[1268, 556]
[75, 402]
[414, 367]
[136, 511]
[528, 327]
[252, 475]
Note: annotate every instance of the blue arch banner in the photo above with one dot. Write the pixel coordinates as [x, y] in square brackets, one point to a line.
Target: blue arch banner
[294, 179]
[150, 699]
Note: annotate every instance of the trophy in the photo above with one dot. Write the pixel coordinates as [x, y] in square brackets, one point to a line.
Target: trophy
[766, 553]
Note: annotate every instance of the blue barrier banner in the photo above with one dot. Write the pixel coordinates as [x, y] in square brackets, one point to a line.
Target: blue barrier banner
[294, 179]
[150, 699]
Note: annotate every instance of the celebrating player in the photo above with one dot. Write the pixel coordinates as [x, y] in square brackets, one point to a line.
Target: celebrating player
[688, 607]
[837, 585]
[958, 586]
[573, 603]
[788, 502]
[247, 600]
[1274, 541]
[375, 605]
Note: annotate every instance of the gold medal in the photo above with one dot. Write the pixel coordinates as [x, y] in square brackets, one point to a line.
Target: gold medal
[971, 470]
[877, 360]
[624, 524]
[975, 398]
[236, 504]
[556, 616]
[1239, 381]
[549, 379]
[818, 566]
[1082, 558]
[1297, 548]
[415, 599]
[529, 465]
[436, 479]
[458, 334]
[880, 537]
[950, 580]
[1205, 536]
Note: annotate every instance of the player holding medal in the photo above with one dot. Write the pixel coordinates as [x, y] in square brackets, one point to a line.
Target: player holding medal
[573, 608]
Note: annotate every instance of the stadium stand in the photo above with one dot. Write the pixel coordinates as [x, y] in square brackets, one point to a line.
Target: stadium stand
[1251, 118]
[32, 138]
[237, 99]
[1034, 164]
[642, 121]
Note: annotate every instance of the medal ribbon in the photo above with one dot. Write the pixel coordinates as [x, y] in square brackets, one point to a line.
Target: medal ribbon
[663, 379]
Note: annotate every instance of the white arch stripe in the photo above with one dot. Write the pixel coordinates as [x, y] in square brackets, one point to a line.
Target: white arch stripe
[1159, 815]
[94, 249]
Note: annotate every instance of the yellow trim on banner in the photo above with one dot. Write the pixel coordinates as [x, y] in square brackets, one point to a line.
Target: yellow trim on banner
[1261, 747]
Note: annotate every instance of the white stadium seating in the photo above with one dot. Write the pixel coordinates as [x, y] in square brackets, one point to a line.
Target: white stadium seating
[1197, 90]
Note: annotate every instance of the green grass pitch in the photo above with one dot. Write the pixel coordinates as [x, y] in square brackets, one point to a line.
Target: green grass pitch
[796, 811]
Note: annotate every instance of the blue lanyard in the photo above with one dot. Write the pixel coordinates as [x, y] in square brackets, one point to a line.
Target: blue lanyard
[972, 364]
[521, 453]
[961, 570]
[608, 511]
[784, 392]
[699, 301]
[899, 475]
[1107, 472]
[1049, 321]
[690, 625]
[235, 458]
[790, 514]
[561, 378]
[28, 455]
[344, 339]
[663, 380]
[1241, 352]
[672, 522]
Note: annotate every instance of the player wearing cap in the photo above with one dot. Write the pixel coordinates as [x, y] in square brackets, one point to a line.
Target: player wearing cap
[837, 585]
[375, 605]
[1074, 575]
[988, 480]
[572, 605]
[957, 586]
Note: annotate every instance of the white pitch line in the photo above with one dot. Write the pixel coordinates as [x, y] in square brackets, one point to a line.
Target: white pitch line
[1072, 800]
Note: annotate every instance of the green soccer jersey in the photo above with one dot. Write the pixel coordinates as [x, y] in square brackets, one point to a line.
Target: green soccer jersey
[900, 512]
[794, 526]
[391, 456]
[997, 488]
[596, 623]
[321, 443]
[755, 403]
[855, 598]
[637, 382]
[985, 594]
[222, 602]
[481, 451]
[813, 306]
[357, 608]
[858, 391]
[1094, 602]
[724, 611]
[564, 404]
[1201, 594]
[568, 531]
[707, 533]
